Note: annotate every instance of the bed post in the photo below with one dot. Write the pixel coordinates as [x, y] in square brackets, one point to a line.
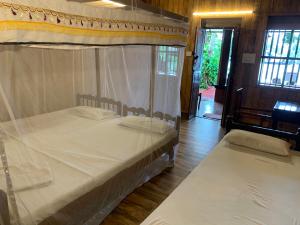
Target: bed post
[4, 213]
[98, 73]
[175, 143]
[77, 100]
[177, 127]
[152, 80]
[124, 110]
[229, 121]
[171, 154]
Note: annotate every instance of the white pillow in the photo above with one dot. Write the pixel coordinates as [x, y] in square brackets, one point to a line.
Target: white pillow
[146, 124]
[258, 142]
[92, 113]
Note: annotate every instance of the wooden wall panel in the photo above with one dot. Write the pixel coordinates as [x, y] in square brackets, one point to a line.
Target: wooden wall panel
[251, 40]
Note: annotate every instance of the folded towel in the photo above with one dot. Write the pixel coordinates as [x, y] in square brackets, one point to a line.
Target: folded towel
[26, 176]
[27, 168]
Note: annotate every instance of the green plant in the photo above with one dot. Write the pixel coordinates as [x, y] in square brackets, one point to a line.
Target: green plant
[210, 59]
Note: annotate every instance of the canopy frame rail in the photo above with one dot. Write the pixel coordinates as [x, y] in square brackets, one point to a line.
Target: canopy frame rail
[100, 102]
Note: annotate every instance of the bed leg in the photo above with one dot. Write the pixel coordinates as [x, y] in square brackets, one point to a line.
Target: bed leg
[229, 121]
[4, 210]
[171, 154]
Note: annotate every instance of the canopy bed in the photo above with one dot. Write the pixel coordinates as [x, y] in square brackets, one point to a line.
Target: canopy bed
[85, 116]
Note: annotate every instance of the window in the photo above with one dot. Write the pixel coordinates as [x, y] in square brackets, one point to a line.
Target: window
[167, 60]
[280, 62]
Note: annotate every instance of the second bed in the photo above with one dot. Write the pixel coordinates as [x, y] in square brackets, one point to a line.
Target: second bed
[237, 185]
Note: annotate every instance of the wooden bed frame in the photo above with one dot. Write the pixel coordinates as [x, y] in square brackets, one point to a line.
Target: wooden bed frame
[141, 111]
[233, 123]
[163, 116]
[109, 104]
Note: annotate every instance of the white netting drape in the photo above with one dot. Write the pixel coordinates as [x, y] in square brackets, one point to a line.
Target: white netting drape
[65, 132]
[37, 81]
[125, 74]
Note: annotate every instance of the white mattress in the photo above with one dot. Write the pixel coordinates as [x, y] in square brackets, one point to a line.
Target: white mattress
[235, 186]
[81, 154]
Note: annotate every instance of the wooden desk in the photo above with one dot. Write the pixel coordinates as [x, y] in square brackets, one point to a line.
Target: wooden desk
[285, 112]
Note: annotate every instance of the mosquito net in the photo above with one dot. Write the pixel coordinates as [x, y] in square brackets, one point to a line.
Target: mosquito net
[82, 122]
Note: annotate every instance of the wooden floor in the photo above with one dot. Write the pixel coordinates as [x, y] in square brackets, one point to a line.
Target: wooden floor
[209, 106]
[197, 139]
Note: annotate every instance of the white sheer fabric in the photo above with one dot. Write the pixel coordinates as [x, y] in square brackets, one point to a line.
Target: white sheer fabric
[167, 89]
[37, 81]
[125, 74]
[56, 150]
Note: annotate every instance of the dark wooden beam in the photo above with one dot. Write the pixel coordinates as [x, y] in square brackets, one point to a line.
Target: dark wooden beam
[147, 7]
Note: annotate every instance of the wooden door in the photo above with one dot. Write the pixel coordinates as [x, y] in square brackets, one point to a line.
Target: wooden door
[196, 72]
[229, 88]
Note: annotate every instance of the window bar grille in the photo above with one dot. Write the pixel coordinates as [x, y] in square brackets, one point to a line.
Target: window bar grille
[274, 65]
[279, 62]
[296, 55]
[298, 71]
[277, 74]
[274, 60]
[297, 46]
[277, 43]
[287, 60]
[283, 43]
[294, 62]
[262, 59]
[270, 53]
[292, 75]
[267, 60]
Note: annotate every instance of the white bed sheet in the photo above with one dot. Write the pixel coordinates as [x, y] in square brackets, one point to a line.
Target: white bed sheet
[235, 186]
[81, 154]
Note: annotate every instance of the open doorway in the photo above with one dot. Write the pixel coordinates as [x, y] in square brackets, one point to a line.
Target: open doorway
[210, 104]
[214, 58]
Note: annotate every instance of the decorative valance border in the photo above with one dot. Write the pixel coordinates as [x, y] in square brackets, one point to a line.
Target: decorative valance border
[32, 23]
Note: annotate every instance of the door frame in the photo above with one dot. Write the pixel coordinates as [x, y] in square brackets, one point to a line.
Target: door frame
[236, 32]
[194, 96]
[230, 79]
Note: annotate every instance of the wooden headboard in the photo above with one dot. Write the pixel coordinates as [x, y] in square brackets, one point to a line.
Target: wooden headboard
[141, 111]
[101, 102]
